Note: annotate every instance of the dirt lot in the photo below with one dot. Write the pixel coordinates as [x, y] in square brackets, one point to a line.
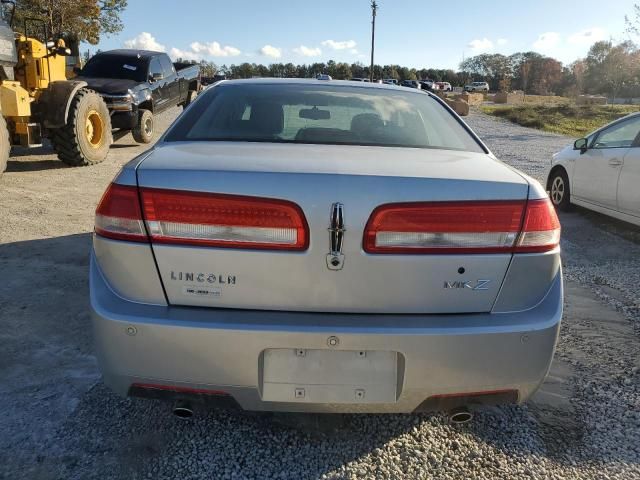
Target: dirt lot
[59, 421]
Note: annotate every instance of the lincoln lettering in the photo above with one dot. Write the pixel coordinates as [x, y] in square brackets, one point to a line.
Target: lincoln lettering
[200, 277]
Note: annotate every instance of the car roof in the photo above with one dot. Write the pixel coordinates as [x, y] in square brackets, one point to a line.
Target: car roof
[313, 81]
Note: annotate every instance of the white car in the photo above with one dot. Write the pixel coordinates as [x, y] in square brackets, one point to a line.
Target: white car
[601, 172]
[477, 87]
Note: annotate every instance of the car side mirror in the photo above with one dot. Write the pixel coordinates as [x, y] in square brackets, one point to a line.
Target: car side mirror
[581, 144]
[157, 76]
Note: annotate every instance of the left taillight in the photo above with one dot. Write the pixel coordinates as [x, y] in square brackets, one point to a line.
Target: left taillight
[119, 216]
[222, 220]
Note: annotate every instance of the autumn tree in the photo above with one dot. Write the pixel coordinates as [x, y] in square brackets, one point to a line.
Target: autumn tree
[610, 67]
[82, 20]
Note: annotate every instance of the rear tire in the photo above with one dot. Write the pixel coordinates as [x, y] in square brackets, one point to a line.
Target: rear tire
[86, 138]
[5, 145]
[143, 131]
[559, 190]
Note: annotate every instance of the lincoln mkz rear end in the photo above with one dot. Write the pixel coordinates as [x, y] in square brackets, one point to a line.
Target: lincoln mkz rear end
[302, 245]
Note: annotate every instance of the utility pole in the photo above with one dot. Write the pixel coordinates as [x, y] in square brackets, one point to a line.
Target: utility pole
[374, 9]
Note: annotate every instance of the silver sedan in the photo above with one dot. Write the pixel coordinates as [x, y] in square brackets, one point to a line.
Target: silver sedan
[325, 246]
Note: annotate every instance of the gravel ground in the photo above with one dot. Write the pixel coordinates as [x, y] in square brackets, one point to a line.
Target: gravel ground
[59, 421]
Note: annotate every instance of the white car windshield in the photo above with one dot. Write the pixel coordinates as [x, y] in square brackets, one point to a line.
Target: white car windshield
[322, 114]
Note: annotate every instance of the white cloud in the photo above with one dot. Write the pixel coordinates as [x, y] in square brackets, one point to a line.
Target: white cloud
[481, 45]
[199, 51]
[547, 41]
[502, 41]
[344, 45]
[307, 51]
[587, 37]
[214, 49]
[176, 53]
[144, 41]
[354, 51]
[271, 51]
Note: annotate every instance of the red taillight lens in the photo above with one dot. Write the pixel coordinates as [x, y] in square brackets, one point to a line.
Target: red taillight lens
[541, 228]
[444, 227]
[118, 215]
[232, 221]
[463, 227]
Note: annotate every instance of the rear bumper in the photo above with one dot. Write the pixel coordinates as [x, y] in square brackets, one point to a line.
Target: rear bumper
[222, 349]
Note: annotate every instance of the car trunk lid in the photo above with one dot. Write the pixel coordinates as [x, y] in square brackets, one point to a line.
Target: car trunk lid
[316, 178]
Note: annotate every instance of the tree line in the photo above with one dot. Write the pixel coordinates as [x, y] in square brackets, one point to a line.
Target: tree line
[609, 69]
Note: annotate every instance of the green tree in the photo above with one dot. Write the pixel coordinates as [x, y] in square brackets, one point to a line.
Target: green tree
[610, 67]
[82, 20]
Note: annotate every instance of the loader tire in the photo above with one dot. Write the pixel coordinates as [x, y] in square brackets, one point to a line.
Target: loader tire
[143, 131]
[5, 145]
[86, 138]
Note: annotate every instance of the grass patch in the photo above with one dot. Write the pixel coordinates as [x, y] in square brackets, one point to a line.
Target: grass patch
[572, 120]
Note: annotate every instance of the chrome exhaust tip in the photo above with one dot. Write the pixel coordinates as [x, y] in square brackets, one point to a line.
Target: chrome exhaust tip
[460, 415]
[182, 409]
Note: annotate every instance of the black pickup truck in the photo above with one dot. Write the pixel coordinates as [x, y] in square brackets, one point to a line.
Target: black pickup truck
[137, 84]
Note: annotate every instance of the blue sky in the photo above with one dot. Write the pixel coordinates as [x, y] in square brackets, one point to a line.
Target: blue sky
[414, 33]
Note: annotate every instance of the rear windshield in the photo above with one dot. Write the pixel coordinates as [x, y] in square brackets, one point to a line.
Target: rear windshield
[321, 114]
[122, 67]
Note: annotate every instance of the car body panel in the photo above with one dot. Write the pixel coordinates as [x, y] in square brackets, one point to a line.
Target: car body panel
[629, 184]
[314, 177]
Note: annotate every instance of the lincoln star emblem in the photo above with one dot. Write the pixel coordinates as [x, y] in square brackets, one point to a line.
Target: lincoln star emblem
[335, 258]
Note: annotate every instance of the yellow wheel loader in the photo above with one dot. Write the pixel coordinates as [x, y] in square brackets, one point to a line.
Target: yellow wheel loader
[37, 100]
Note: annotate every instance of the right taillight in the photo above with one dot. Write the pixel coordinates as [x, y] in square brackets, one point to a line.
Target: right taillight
[540, 229]
[462, 227]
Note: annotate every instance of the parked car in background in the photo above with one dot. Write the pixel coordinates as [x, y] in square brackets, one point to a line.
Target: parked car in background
[444, 86]
[477, 87]
[427, 84]
[390, 81]
[138, 84]
[323, 76]
[359, 79]
[411, 84]
[302, 245]
[601, 172]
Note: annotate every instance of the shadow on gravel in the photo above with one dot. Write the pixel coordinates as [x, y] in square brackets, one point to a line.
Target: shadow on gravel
[619, 228]
[137, 438]
[34, 165]
[45, 149]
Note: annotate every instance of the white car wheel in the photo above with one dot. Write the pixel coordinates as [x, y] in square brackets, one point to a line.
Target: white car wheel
[559, 190]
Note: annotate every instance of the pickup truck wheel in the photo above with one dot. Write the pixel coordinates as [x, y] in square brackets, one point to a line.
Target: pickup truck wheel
[143, 131]
[86, 138]
[5, 145]
[191, 96]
